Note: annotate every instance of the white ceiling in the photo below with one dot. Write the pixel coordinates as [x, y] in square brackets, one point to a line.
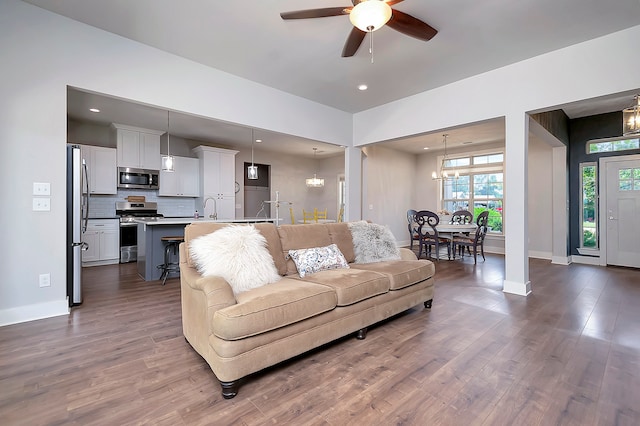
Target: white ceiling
[302, 57]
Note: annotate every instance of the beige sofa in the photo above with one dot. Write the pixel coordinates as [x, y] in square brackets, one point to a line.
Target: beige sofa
[240, 335]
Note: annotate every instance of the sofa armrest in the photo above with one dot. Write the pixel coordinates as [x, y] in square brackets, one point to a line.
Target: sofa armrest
[407, 254]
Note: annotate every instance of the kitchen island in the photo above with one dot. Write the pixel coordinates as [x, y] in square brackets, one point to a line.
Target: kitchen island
[151, 248]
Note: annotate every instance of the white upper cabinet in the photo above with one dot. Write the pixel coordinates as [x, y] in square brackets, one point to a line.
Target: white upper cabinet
[217, 180]
[184, 181]
[102, 169]
[137, 148]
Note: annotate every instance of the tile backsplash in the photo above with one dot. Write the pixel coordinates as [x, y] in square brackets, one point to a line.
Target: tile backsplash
[105, 205]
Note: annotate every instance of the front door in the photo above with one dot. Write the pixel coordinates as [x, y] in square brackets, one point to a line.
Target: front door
[623, 213]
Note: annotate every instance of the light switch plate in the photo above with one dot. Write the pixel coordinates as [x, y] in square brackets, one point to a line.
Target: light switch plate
[41, 188]
[42, 204]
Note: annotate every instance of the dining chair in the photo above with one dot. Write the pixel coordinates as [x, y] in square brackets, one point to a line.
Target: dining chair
[412, 227]
[461, 217]
[293, 216]
[320, 214]
[308, 217]
[428, 234]
[476, 240]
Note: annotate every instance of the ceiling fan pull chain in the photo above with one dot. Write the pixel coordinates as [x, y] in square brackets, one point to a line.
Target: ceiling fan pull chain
[371, 44]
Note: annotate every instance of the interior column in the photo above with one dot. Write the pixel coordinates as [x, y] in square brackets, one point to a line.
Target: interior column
[516, 198]
[353, 180]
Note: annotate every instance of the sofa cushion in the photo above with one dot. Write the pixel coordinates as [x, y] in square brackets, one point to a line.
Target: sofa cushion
[401, 273]
[341, 236]
[236, 253]
[317, 259]
[351, 285]
[268, 230]
[270, 307]
[294, 237]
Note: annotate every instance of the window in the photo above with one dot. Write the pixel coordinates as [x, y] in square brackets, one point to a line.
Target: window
[589, 206]
[629, 179]
[480, 186]
[610, 145]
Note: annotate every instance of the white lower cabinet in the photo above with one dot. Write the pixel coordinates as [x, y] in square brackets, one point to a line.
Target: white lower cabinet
[103, 242]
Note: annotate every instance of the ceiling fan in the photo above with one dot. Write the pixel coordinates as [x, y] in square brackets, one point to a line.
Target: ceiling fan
[368, 16]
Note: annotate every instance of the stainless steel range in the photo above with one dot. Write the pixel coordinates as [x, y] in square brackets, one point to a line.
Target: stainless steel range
[128, 212]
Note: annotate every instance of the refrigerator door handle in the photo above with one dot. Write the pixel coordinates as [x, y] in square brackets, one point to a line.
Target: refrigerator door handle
[87, 195]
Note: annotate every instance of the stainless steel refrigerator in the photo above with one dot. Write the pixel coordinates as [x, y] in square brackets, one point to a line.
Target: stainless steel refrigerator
[77, 218]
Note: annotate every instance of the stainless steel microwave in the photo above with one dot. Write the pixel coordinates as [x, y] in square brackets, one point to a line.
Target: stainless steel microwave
[137, 178]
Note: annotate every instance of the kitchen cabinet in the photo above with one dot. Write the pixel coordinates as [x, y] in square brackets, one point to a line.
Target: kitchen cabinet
[102, 169]
[137, 148]
[217, 180]
[103, 240]
[184, 181]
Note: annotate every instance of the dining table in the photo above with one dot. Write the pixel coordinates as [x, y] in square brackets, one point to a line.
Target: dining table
[449, 230]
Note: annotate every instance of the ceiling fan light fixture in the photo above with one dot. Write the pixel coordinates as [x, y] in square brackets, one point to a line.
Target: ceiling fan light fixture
[252, 170]
[370, 15]
[631, 118]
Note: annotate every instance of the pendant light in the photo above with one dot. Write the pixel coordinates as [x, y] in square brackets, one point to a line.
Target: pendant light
[315, 181]
[443, 175]
[167, 160]
[252, 170]
[631, 118]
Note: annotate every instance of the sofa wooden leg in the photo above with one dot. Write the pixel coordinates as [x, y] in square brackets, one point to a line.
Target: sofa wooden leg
[361, 334]
[427, 304]
[229, 389]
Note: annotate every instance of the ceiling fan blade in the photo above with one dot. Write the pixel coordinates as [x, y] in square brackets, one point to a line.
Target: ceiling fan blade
[413, 27]
[353, 42]
[392, 2]
[316, 13]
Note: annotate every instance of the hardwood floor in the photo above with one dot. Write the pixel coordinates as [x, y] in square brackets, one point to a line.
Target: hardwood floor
[567, 354]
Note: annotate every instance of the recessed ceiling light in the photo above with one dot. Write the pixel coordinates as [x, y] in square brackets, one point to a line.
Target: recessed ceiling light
[426, 147]
[362, 87]
[258, 140]
[94, 110]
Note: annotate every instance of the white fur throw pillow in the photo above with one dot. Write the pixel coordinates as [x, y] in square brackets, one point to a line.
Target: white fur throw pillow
[373, 242]
[237, 253]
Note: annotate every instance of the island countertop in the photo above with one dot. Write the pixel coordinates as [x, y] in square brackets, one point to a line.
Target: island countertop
[188, 220]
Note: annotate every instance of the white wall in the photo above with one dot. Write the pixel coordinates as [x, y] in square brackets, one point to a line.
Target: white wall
[390, 177]
[288, 175]
[42, 53]
[540, 199]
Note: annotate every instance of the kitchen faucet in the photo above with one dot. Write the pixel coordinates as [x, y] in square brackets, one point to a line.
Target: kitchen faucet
[213, 216]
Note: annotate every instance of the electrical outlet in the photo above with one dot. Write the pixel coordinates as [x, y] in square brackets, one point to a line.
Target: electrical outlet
[45, 280]
[370, 206]
[41, 188]
[42, 204]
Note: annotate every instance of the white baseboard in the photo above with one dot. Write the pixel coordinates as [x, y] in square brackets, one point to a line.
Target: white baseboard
[561, 260]
[540, 254]
[33, 312]
[586, 260]
[521, 289]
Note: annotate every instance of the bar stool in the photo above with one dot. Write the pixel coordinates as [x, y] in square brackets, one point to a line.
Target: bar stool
[171, 243]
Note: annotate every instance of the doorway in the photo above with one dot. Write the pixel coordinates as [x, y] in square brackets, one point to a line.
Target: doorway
[620, 207]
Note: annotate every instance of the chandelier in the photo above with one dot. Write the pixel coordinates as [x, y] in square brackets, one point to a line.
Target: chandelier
[631, 118]
[443, 174]
[315, 181]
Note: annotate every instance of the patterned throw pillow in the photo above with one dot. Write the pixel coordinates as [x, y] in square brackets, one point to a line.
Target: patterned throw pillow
[318, 259]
